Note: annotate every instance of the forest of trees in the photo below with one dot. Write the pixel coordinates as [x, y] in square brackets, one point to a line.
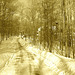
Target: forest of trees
[48, 22]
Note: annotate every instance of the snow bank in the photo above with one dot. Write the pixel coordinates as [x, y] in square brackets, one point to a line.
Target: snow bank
[38, 62]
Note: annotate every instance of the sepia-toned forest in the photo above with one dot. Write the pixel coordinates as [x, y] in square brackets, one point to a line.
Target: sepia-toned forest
[49, 23]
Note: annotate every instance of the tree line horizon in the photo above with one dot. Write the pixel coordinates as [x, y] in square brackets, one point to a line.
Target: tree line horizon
[48, 22]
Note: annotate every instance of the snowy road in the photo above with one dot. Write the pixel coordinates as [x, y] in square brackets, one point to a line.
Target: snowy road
[29, 60]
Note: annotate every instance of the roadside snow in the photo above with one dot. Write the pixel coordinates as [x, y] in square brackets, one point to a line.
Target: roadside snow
[35, 61]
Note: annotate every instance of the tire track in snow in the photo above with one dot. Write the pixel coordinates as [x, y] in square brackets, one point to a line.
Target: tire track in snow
[48, 63]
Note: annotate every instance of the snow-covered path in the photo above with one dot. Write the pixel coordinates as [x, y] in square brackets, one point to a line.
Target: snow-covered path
[29, 60]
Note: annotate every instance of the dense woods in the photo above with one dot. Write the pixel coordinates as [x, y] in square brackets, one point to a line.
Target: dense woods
[50, 23]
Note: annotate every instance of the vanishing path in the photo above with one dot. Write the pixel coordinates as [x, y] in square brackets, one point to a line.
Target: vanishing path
[18, 59]
[28, 60]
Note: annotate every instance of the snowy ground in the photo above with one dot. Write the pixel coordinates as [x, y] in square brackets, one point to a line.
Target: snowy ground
[18, 57]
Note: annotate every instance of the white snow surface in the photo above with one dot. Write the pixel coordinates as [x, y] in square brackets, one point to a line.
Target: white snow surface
[35, 62]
